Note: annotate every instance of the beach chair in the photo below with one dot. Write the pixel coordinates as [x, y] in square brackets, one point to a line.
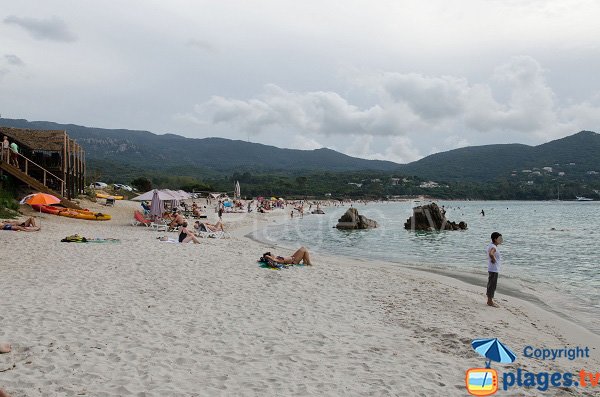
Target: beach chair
[159, 227]
[110, 202]
[139, 220]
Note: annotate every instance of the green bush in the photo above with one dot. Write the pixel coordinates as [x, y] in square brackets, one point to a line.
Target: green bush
[8, 205]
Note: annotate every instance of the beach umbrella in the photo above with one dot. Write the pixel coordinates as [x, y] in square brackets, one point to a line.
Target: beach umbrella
[493, 350]
[42, 199]
[156, 206]
[162, 195]
[24, 199]
[237, 193]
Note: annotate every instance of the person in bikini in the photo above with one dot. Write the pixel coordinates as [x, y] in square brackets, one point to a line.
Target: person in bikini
[27, 226]
[301, 255]
[209, 227]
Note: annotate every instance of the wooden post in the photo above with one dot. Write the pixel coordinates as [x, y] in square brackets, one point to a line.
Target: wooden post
[64, 162]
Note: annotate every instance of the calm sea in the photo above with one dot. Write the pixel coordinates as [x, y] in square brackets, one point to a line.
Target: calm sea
[550, 249]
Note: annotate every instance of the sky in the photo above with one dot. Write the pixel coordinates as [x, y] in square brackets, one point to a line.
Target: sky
[394, 80]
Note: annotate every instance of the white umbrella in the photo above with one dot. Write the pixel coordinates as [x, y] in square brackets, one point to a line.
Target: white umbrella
[237, 193]
[149, 195]
[184, 195]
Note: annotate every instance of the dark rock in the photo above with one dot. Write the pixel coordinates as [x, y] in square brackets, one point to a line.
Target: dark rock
[352, 220]
[430, 217]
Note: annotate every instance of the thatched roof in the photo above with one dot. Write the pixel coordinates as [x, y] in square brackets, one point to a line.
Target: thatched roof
[48, 140]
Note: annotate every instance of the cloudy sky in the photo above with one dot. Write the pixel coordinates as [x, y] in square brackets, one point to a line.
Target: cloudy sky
[394, 80]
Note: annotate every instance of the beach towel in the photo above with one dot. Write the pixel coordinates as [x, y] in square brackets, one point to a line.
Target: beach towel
[168, 240]
[76, 238]
[269, 264]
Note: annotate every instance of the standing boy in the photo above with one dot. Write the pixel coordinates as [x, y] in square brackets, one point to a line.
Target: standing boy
[494, 259]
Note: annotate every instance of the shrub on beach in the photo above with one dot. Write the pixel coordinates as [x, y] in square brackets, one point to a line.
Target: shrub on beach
[8, 205]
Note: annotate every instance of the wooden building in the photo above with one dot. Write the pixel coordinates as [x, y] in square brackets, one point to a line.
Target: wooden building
[49, 157]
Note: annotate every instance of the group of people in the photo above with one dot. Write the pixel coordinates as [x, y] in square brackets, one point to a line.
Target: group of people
[28, 226]
[10, 152]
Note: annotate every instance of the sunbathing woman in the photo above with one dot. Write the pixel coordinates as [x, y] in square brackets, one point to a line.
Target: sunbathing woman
[302, 255]
[17, 227]
[185, 236]
[29, 222]
[209, 227]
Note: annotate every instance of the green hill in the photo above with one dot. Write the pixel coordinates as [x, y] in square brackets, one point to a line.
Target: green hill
[144, 150]
[490, 162]
[129, 153]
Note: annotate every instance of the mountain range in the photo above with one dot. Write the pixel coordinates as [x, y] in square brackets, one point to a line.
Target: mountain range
[143, 151]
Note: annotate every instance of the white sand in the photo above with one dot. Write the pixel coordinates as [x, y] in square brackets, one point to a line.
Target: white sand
[145, 318]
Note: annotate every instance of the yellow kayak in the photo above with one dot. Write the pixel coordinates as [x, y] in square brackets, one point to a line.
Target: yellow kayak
[105, 196]
[83, 214]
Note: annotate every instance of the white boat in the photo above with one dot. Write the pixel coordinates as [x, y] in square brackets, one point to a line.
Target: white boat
[581, 198]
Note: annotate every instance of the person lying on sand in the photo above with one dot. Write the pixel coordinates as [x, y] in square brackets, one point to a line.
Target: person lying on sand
[301, 255]
[29, 222]
[3, 394]
[16, 227]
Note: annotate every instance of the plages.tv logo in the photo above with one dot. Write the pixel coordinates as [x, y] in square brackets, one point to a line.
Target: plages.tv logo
[484, 381]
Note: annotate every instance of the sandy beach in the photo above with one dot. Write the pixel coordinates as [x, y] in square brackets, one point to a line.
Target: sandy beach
[147, 318]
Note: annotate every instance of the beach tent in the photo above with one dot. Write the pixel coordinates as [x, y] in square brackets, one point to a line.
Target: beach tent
[185, 195]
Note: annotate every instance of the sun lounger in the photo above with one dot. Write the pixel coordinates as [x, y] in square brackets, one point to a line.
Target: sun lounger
[139, 220]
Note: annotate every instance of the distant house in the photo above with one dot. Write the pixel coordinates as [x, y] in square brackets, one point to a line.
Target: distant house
[530, 182]
[547, 169]
[355, 184]
[561, 174]
[536, 173]
[327, 194]
[429, 185]
[571, 163]
[376, 180]
[592, 172]
[526, 171]
[395, 181]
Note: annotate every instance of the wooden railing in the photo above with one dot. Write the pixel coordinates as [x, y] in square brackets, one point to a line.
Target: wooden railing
[7, 157]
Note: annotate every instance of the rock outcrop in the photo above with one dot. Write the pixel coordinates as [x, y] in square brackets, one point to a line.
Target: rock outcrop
[431, 217]
[352, 220]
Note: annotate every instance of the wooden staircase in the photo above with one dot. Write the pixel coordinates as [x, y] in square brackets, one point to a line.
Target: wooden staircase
[34, 183]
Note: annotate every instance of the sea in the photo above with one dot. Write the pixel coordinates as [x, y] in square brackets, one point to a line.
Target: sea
[551, 249]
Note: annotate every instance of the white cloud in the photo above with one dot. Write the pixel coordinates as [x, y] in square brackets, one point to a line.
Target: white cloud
[272, 72]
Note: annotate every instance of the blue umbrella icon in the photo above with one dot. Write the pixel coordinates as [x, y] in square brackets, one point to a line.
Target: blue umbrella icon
[493, 350]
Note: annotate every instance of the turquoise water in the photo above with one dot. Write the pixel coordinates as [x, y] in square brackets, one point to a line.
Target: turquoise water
[540, 259]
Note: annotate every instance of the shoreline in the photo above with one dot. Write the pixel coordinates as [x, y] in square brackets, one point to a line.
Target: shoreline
[509, 288]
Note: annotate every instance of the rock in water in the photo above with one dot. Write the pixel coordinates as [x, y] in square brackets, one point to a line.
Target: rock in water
[352, 220]
[431, 217]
